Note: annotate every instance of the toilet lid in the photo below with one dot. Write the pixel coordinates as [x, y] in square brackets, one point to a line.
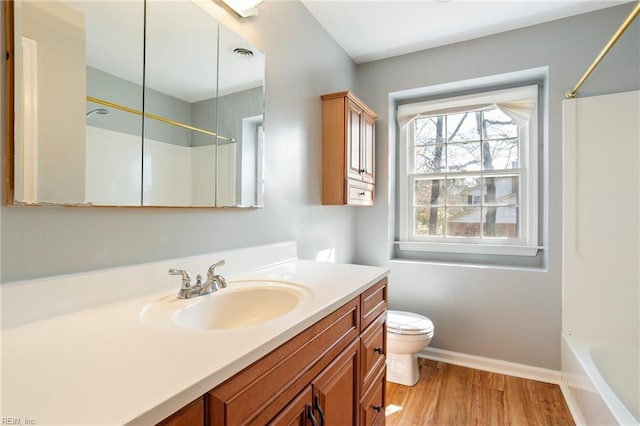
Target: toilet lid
[400, 322]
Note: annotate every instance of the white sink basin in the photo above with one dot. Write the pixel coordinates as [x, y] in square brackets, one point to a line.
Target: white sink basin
[241, 304]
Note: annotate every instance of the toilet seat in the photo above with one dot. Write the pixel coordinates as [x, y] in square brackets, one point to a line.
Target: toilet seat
[401, 322]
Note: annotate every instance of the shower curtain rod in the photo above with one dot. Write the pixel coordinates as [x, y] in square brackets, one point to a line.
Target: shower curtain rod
[156, 117]
[573, 92]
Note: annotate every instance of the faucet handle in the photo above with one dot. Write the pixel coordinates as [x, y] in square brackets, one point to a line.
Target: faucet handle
[212, 268]
[186, 278]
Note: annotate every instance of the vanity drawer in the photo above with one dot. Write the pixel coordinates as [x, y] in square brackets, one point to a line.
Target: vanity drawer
[373, 348]
[372, 404]
[259, 392]
[359, 193]
[373, 302]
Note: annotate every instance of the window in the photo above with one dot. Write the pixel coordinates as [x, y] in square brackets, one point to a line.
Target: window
[468, 173]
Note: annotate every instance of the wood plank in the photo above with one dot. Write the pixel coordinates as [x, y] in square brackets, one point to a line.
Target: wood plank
[454, 401]
[452, 395]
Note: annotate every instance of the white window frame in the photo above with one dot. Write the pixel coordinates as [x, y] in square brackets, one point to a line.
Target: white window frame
[527, 243]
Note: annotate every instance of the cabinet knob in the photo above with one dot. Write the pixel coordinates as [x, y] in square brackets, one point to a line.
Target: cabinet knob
[361, 194]
[363, 170]
[378, 350]
[378, 408]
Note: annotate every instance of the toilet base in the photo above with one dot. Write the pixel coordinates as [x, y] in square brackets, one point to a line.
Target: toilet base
[403, 369]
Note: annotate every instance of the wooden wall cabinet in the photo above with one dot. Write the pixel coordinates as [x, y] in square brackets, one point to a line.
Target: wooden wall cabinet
[348, 150]
[332, 373]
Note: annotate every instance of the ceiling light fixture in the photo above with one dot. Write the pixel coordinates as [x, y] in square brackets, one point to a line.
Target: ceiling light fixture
[244, 8]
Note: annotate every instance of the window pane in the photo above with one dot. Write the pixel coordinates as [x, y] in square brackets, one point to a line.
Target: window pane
[503, 154]
[501, 222]
[429, 158]
[429, 221]
[463, 127]
[497, 125]
[463, 191]
[463, 156]
[429, 130]
[429, 192]
[463, 221]
[501, 190]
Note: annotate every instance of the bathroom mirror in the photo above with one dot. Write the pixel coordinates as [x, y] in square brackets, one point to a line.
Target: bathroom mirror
[240, 122]
[110, 113]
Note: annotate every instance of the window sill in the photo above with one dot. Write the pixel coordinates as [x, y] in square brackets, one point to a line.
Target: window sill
[493, 249]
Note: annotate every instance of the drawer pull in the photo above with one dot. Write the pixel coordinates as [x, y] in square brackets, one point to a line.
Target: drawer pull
[378, 350]
[314, 422]
[378, 408]
[316, 401]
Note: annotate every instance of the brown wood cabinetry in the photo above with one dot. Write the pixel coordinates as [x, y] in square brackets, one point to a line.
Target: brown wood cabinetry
[348, 150]
[332, 373]
[373, 403]
[189, 415]
[373, 349]
[335, 390]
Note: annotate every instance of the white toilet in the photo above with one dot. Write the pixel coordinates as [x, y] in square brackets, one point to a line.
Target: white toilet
[407, 334]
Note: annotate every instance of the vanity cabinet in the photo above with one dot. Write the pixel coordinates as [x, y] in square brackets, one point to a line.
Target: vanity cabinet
[332, 373]
[261, 391]
[190, 415]
[348, 150]
[330, 399]
[373, 349]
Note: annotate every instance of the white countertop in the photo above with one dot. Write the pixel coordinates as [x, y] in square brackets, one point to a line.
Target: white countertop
[105, 366]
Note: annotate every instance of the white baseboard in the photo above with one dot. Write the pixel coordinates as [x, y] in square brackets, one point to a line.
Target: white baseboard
[493, 365]
[573, 406]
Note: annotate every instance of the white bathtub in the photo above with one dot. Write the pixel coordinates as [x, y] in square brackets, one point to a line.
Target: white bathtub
[601, 381]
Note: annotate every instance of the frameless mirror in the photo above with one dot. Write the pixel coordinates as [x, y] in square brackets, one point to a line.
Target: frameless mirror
[240, 122]
[108, 112]
[180, 83]
[115, 77]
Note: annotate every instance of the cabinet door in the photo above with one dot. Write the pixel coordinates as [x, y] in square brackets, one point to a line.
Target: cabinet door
[354, 136]
[367, 148]
[336, 387]
[298, 412]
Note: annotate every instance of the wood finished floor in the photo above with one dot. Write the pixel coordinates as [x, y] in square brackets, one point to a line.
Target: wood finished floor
[450, 395]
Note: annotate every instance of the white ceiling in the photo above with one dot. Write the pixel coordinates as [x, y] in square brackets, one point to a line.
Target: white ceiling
[375, 29]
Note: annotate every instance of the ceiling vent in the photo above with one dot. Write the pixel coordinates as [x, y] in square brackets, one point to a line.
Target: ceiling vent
[241, 51]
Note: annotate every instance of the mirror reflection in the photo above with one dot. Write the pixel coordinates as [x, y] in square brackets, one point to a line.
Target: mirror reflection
[240, 118]
[108, 116]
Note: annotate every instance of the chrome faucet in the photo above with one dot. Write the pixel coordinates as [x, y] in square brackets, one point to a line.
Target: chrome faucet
[214, 282]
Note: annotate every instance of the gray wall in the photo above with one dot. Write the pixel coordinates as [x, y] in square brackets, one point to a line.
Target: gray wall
[234, 107]
[231, 109]
[41, 241]
[509, 314]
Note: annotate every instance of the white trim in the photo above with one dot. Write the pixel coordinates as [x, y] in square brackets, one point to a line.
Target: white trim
[497, 249]
[493, 365]
[572, 405]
